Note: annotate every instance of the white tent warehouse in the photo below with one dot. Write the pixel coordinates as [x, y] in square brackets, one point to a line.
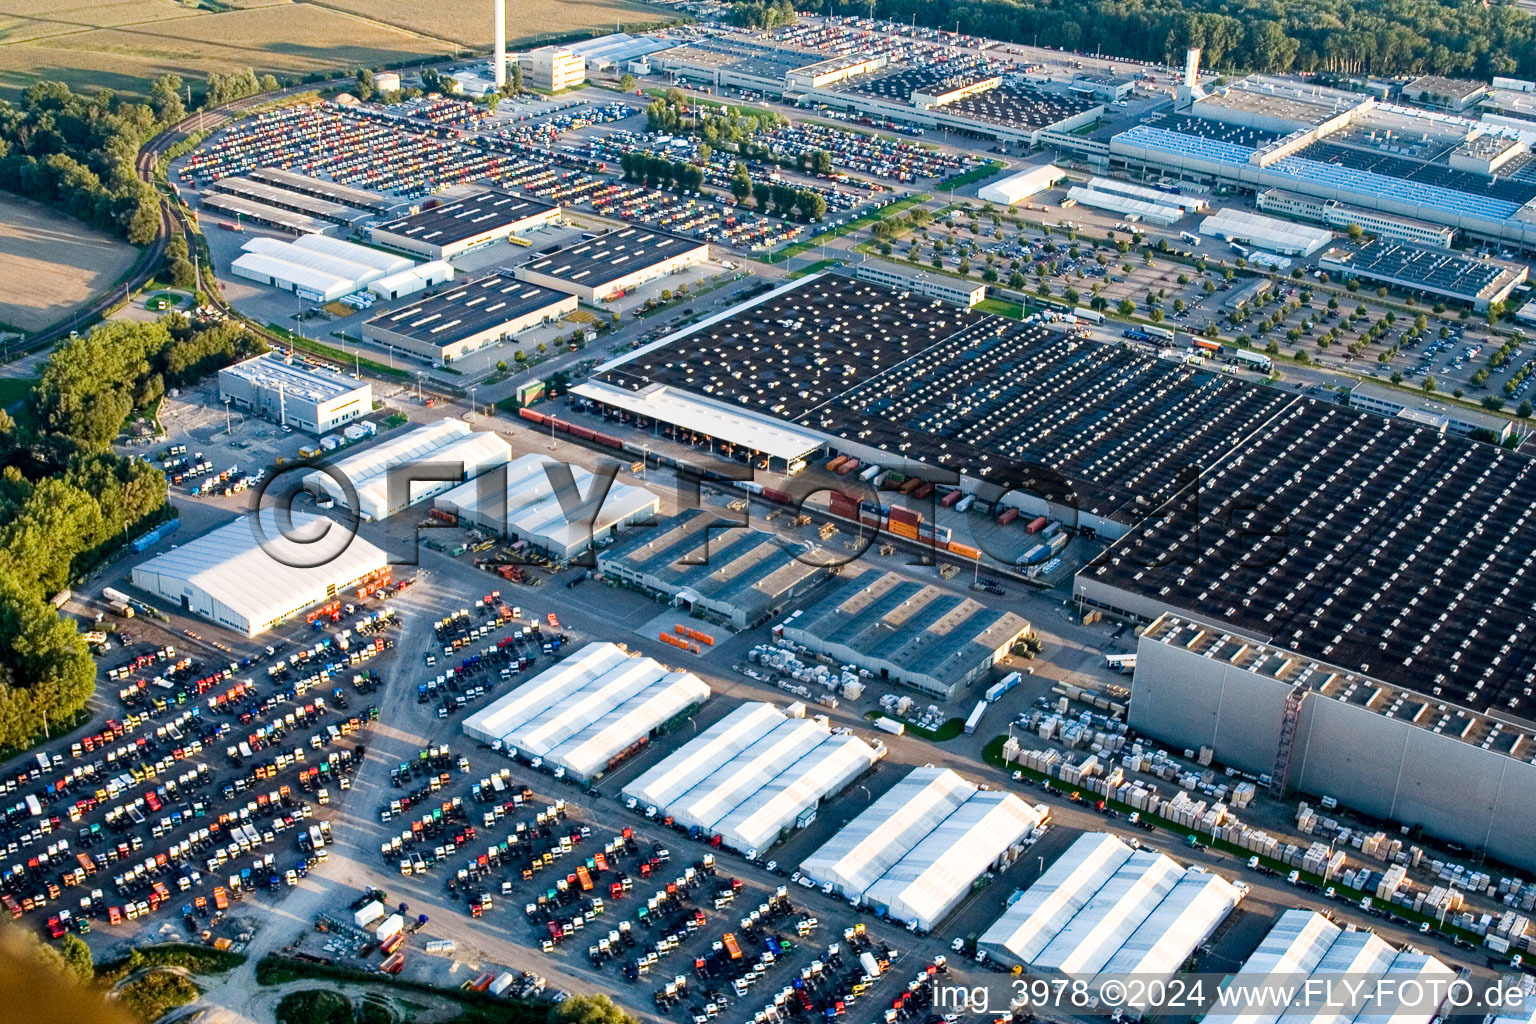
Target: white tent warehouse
[587, 711]
[751, 775]
[528, 508]
[448, 442]
[315, 267]
[916, 851]
[1106, 908]
[250, 577]
[1304, 944]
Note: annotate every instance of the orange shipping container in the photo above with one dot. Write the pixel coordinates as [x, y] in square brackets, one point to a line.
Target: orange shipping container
[963, 550]
[901, 529]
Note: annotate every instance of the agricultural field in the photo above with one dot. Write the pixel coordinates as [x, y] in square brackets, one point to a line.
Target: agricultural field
[468, 22]
[122, 44]
[51, 264]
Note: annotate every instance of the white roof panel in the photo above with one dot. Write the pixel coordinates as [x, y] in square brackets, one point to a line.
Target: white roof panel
[586, 710]
[1027, 927]
[1293, 947]
[862, 850]
[1190, 912]
[931, 879]
[265, 570]
[683, 770]
[1109, 917]
[780, 439]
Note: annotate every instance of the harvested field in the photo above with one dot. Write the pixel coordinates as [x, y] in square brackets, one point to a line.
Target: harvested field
[51, 265]
[122, 44]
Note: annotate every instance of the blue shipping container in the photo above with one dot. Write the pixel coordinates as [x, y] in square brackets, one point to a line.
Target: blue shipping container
[156, 535]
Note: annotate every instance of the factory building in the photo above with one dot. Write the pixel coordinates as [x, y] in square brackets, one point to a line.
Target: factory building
[1306, 954]
[1321, 729]
[1018, 187]
[520, 502]
[583, 715]
[605, 268]
[429, 450]
[1105, 908]
[464, 223]
[1430, 273]
[315, 268]
[1269, 233]
[1438, 168]
[552, 68]
[309, 398]
[1337, 215]
[752, 776]
[704, 564]
[254, 574]
[906, 632]
[913, 854]
[978, 102]
[933, 286]
[869, 370]
[468, 317]
[1443, 416]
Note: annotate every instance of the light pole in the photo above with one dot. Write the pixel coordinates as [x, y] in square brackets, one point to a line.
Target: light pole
[471, 401]
[228, 428]
[418, 387]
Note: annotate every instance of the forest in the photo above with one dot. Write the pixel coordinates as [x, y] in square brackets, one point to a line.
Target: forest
[67, 500]
[1337, 37]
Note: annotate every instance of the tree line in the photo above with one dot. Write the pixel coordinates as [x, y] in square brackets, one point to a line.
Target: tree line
[1344, 37]
[660, 172]
[67, 500]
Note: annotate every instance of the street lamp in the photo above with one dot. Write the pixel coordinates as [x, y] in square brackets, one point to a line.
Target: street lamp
[471, 401]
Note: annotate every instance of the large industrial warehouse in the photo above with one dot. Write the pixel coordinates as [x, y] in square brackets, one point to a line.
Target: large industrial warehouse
[604, 268]
[870, 371]
[448, 444]
[463, 223]
[250, 576]
[588, 711]
[1378, 748]
[904, 631]
[1427, 272]
[470, 316]
[700, 562]
[1304, 945]
[752, 776]
[522, 504]
[1106, 908]
[914, 853]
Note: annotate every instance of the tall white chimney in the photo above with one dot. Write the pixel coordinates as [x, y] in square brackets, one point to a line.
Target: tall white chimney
[499, 62]
[1192, 68]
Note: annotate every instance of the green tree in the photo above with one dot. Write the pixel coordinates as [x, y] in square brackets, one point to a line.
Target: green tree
[77, 958]
[584, 1009]
[627, 82]
[1429, 384]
